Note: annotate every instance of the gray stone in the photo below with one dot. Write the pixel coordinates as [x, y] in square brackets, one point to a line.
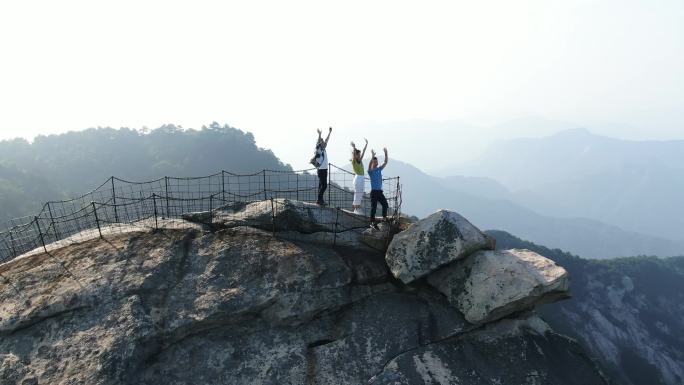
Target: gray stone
[490, 285]
[198, 217]
[375, 239]
[238, 306]
[376, 330]
[437, 240]
[290, 215]
[532, 355]
[296, 220]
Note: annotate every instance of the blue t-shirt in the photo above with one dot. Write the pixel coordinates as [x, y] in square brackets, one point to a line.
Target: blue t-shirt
[376, 178]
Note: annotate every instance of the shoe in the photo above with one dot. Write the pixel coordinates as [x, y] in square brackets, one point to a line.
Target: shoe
[358, 212]
[321, 203]
[374, 226]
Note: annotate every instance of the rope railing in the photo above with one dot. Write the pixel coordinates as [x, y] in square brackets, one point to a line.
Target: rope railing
[119, 205]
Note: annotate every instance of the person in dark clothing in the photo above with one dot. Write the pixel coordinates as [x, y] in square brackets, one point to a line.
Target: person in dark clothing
[321, 162]
[377, 195]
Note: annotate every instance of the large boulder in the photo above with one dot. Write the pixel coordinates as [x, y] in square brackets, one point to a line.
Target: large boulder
[490, 285]
[437, 240]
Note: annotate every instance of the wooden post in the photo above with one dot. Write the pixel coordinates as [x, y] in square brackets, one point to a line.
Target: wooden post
[97, 220]
[116, 213]
[264, 184]
[273, 217]
[166, 191]
[154, 199]
[223, 187]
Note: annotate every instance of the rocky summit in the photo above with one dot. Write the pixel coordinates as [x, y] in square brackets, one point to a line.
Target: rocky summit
[243, 305]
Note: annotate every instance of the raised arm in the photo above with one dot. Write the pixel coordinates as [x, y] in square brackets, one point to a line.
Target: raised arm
[386, 157]
[363, 153]
[371, 162]
[328, 138]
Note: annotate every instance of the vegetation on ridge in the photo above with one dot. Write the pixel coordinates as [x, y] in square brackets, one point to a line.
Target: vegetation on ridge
[60, 166]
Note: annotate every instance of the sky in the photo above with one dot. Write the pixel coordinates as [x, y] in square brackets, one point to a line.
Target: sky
[417, 77]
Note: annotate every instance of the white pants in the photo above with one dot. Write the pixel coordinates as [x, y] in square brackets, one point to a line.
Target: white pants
[359, 181]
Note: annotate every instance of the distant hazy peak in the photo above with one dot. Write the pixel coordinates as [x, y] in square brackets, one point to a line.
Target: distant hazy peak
[573, 132]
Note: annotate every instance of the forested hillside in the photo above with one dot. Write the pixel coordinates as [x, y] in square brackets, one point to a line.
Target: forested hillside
[59, 166]
[627, 312]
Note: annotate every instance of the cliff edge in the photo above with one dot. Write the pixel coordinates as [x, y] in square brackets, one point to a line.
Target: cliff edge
[242, 306]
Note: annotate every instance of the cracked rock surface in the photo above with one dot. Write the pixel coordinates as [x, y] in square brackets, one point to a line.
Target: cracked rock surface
[437, 240]
[489, 285]
[240, 306]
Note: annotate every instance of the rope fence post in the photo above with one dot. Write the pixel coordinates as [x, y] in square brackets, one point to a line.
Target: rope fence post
[396, 198]
[116, 212]
[264, 183]
[154, 200]
[223, 187]
[273, 217]
[52, 222]
[166, 192]
[97, 220]
[40, 233]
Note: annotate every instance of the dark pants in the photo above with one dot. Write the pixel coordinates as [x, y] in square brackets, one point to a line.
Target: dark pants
[322, 184]
[377, 196]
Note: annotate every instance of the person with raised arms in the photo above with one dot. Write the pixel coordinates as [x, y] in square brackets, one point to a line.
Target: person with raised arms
[377, 195]
[320, 161]
[359, 176]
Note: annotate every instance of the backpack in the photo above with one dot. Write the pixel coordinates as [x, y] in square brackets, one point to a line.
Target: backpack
[317, 155]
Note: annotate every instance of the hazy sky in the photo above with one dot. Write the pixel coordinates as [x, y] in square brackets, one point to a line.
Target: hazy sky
[456, 70]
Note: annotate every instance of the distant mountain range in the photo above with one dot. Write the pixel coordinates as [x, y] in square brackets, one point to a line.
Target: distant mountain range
[490, 205]
[635, 185]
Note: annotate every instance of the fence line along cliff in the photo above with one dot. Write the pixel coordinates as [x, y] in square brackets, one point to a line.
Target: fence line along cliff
[118, 205]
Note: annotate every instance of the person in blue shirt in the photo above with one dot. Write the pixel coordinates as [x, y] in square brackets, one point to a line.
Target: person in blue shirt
[377, 195]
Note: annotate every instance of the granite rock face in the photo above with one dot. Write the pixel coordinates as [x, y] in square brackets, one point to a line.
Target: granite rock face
[489, 285]
[437, 240]
[532, 356]
[289, 215]
[241, 306]
[296, 220]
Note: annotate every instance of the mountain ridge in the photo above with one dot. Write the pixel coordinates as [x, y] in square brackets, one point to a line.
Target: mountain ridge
[612, 312]
[586, 237]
